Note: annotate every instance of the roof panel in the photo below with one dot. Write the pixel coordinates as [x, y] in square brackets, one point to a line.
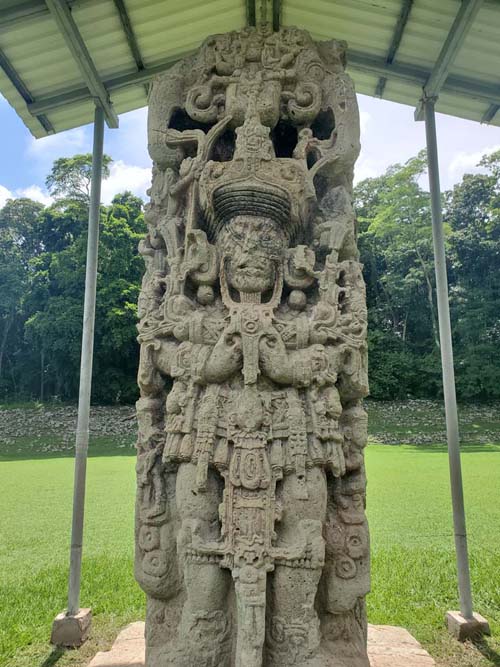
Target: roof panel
[40, 56]
[163, 35]
[72, 115]
[464, 107]
[426, 31]
[102, 31]
[168, 29]
[400, 91]
[10, 93]
[479, 56]
[352, 22]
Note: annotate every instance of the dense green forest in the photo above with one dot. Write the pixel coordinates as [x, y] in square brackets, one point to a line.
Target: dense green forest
[42, 272]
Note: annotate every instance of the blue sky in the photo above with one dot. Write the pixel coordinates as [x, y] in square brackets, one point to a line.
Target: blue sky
[388, 135]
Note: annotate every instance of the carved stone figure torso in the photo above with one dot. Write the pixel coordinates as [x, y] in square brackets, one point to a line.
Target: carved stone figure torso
[251, 540]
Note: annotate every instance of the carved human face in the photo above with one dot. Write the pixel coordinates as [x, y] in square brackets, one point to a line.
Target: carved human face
[252, 249]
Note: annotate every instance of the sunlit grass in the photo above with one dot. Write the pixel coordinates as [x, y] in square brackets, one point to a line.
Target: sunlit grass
[414, 580]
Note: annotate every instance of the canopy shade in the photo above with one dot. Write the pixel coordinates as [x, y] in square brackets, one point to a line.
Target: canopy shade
[58, 56]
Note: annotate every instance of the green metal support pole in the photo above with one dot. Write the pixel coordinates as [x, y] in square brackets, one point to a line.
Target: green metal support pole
[82, 429]
[450, 400]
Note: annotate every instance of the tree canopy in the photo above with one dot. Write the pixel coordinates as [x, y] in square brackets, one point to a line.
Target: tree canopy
[395, 238]
[70, 177]
[42, 275]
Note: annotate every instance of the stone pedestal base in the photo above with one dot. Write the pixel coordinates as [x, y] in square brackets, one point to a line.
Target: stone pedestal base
[462, 628]
[71, 631]
[128, 649]
[387, 647]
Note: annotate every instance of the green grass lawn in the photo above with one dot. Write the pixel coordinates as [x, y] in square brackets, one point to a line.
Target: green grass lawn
[412, 546]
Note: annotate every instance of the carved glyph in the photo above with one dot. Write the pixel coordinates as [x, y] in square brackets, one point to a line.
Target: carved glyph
[251, 536]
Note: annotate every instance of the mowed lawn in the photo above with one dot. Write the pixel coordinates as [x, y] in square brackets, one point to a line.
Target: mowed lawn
[414, 580]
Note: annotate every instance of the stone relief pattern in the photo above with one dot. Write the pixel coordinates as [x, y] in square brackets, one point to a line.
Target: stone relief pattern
[251, 537]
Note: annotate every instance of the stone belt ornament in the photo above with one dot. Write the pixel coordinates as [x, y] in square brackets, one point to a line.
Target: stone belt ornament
[251, 538]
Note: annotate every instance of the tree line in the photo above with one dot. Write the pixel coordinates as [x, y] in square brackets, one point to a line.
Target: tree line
[42, 275]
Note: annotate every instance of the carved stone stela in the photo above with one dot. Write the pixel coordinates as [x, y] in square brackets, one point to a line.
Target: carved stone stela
[251, 538]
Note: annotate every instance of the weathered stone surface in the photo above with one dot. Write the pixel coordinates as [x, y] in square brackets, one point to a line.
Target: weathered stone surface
[251, 538]
[127, 651]
[462, 628]
[71, 631]
[387, 647]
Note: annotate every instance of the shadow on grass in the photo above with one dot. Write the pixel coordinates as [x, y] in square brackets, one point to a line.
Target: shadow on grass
[482, 645]
[53, 657]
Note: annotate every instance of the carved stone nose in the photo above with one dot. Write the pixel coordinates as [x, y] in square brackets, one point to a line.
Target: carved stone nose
[244, 260]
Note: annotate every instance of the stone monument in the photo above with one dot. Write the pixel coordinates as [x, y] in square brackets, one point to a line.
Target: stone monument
[251, 538]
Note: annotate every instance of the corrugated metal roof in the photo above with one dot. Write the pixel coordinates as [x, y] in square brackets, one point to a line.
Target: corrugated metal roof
[50, 93]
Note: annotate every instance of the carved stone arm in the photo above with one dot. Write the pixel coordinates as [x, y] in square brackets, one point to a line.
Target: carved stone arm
[297, 368]
[150, 380]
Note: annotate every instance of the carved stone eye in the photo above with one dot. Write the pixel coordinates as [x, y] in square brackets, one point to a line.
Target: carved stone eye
[356, 542]
[149, 538]
[155, 563]
[345, 568]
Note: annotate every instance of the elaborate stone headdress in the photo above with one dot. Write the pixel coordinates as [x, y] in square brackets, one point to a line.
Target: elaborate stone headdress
[255, 183]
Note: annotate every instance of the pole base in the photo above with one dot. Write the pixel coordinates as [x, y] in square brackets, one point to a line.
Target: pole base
[463, 628]
[71, 631]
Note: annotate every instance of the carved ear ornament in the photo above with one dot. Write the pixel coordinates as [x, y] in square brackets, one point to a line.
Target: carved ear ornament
[200, 259]
[299, 267]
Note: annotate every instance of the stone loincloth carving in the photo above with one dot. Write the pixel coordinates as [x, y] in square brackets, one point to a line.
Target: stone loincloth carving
[251, 537]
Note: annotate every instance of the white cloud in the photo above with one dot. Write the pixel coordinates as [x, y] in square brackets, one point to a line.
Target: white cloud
[5, 194]
[122, 177]
[58, 145]
[129, 143]
[367, 168]
[41, 153]
[34, 192]
[125, 177]
[464, 162]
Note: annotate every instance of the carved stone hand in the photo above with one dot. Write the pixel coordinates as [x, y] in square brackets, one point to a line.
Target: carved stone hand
[295, 368]
[318, 358]
[225, 360]
[274, 360]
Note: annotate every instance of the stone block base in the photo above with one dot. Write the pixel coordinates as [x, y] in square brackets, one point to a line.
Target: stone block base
[462, 628]
[128, 649]
[387, 647]
[71, 631]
